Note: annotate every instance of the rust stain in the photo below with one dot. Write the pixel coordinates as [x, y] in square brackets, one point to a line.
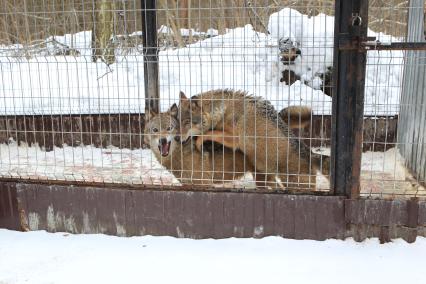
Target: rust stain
[23, 221]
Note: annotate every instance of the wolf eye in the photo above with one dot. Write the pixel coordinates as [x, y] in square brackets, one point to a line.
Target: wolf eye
[186, 121]
[169, 128]
[154, 129]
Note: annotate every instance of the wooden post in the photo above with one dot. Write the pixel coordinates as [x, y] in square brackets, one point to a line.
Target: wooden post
[183, 11]
[348, 96]
[150, 55]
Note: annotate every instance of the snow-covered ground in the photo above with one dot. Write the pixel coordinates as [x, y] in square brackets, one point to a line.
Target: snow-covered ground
[86, 163]
[40, 257]
[382, 172]
[241, 59]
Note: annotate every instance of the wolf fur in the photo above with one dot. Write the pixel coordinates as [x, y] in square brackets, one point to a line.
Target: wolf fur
[188, 164]
[250, 124]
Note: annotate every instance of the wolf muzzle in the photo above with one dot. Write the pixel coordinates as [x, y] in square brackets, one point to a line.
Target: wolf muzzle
[164, 146]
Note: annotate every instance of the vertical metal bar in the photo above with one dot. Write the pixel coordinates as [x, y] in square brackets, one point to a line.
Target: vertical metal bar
[348, 96]
[150, 55]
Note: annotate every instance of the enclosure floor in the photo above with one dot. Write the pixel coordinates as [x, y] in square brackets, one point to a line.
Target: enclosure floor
[383, 173]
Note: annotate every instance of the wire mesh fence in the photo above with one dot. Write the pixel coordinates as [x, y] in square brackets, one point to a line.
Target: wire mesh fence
[245, 94]
[387, 166]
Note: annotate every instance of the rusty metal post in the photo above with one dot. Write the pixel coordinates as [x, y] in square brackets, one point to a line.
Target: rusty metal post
[150, 55]
[348, 95]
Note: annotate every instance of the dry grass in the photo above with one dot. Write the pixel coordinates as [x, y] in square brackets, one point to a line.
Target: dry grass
[24, 21]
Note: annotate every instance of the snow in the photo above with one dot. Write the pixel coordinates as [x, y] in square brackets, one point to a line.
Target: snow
[90, 164]
[188, 32]
[315, 38]
[382, 172]
[40, 257]
[34, 82]
[84, 163]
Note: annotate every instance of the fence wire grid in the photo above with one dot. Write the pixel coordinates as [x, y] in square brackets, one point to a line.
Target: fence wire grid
[245, 95]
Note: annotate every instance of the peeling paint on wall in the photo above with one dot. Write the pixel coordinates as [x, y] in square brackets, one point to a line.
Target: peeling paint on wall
[51, 224]
[86, 224]
[59, 222]
[34, 221]
[258, 232]
[179, 233]
[121, 231]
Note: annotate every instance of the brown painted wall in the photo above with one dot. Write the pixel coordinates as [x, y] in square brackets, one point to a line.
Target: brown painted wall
[9, 215]
[202, 214]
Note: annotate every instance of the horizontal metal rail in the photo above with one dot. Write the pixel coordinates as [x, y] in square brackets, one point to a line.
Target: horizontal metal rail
[373, 45]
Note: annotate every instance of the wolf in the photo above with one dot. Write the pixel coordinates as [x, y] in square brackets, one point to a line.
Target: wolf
[296, 117]
[188, 164]
[251, 125]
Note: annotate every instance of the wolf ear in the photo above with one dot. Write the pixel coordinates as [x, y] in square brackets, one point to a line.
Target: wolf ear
[173, 111]
[150, 114]
[182, 96]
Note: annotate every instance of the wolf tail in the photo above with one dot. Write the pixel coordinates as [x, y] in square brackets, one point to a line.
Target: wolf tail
[296, 116]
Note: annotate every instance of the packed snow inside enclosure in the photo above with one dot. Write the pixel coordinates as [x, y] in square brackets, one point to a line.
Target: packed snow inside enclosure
[90, 164]
[40, 257]
[382, 173]
[35, 81]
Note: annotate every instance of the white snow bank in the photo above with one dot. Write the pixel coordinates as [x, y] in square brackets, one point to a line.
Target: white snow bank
[188, 32]
[40, 257]
[314, 36]
[240, 59]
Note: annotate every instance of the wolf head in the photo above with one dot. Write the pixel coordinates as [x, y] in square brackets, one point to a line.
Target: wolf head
[189, 117]
[161, 130]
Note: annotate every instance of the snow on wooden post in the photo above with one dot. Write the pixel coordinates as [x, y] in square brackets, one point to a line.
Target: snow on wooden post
[150, 55]
[412, 115]
[102, 31]
[350, 31]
